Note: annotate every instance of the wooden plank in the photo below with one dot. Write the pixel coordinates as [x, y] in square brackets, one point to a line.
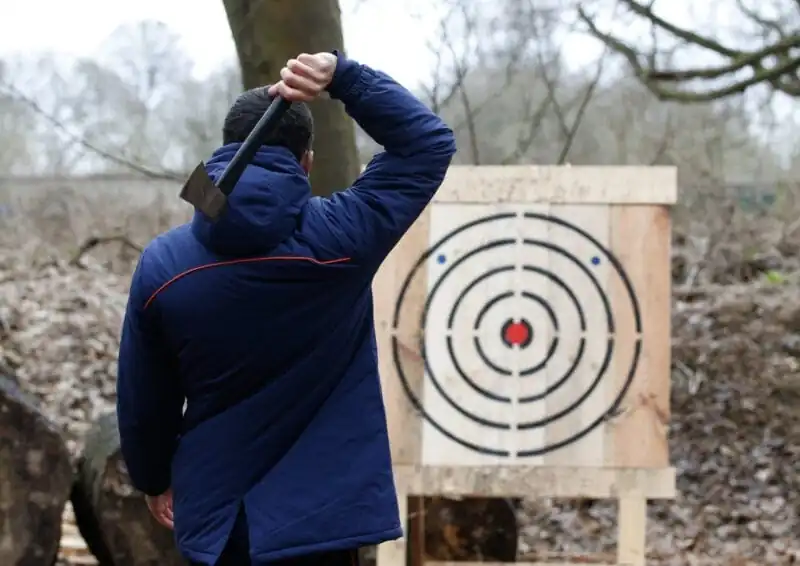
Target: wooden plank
[579, 362]
[517, 481]
[638, 434]
[473, 263]
[533, 307]
[632, 530]
[405, 425]
[416, 531]
[489, 184]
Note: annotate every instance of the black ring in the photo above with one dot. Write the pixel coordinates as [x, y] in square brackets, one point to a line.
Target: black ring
[451, 351]
[561, 380]
[423, 346]
[542, 422]
[413, 399]
[502, 371]
[553, 343]
[637, 346]
[615, 263]
[502, 296]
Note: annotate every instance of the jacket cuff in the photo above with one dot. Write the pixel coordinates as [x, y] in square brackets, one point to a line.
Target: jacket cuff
[345, 77]
[155, 489]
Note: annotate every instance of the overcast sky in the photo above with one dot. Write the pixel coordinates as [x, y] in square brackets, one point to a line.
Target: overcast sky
[390, 34]
[379, 33]
[384, 33]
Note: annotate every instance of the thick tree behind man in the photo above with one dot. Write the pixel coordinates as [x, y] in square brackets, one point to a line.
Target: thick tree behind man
[267, 33]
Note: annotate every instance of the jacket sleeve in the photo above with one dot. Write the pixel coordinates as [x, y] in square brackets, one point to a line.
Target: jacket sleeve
[365, 221]
[149, 396]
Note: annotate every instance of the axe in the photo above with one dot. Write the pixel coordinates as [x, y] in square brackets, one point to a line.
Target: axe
[210, 198]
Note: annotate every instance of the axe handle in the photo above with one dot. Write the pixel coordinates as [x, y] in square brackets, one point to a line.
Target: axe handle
[268, 122]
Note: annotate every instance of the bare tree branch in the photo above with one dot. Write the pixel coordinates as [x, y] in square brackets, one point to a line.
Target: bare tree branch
[95, 241]
[535, 120]
[19, 96]
[459, 88]
[440, 97]
[536, 117]
[663, 147]
[568, 131]
[576, 123]
[771, 24]
[777, 63]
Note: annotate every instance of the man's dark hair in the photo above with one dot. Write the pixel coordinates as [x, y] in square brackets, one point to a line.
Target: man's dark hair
[295, 130]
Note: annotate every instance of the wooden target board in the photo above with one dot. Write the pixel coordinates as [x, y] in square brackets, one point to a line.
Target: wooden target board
[524, 340]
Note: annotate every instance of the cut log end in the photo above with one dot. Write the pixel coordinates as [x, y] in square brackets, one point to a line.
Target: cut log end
[470, 529]
[35, 478]
[111, 515]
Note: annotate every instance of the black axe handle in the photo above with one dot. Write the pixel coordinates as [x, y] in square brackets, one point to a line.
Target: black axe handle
[266, 125]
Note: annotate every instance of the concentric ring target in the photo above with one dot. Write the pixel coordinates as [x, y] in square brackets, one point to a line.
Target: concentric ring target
[474, 300]
[513, 332]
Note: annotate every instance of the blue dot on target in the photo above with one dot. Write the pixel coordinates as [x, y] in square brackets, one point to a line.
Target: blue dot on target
[441, 259]
[595, 260]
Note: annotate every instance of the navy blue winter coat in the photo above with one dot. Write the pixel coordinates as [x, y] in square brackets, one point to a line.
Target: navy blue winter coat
[263, 323]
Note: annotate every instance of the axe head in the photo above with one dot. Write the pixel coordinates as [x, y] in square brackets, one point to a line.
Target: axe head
[201, 192]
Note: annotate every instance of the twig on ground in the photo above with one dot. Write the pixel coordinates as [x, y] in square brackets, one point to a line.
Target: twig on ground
[90, 243]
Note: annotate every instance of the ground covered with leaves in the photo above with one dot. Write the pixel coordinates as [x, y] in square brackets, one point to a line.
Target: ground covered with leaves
[735, 441]
[735, 433]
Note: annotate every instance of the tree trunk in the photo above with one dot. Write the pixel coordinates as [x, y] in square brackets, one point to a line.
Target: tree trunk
[267, 33]
[35, 478]
[111, 516]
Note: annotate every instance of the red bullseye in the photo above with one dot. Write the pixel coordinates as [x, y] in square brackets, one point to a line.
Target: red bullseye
[517, 333]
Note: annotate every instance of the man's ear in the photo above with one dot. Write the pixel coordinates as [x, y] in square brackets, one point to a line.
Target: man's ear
[307, 161]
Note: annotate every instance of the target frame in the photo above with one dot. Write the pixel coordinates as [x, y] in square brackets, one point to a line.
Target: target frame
[630, 221]
[632, 463]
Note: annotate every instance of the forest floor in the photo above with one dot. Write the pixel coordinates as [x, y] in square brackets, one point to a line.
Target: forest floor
[735, 425]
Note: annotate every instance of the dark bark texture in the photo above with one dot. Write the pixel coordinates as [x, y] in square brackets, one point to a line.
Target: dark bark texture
[35, 478]
[268, 33]
[111, 515]
[470, 529]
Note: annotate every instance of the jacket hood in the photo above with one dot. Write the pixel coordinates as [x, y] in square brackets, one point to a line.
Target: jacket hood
[264, 206]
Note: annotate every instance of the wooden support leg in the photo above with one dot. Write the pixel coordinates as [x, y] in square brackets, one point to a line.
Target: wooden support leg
[416, 531]
[394, 552]
[632, 527]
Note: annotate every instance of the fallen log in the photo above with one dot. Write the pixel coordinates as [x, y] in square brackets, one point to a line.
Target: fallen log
[470, 529]
[35, 478]
[111, 515]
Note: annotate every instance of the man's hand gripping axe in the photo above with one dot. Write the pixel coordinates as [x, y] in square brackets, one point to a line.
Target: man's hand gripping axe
[209, 198]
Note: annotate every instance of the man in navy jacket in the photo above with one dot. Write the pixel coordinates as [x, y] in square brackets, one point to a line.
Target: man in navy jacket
[263, 324]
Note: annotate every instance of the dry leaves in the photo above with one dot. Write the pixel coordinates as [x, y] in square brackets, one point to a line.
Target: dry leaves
[59, 333]
[735, 434]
